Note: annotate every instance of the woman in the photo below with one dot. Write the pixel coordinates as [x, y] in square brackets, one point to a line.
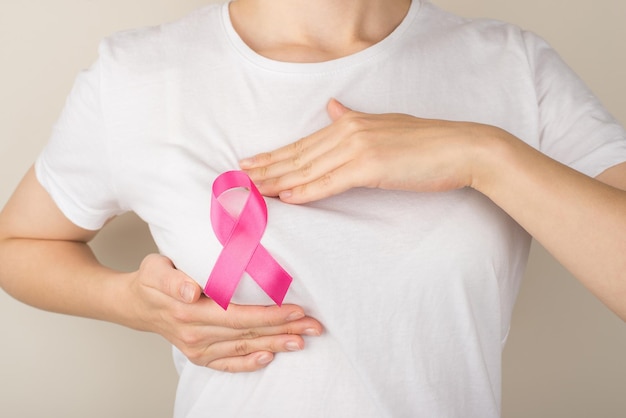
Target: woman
[163, 112]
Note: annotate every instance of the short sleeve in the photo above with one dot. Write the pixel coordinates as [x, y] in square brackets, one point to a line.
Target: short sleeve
[575, 128]
[74, 166]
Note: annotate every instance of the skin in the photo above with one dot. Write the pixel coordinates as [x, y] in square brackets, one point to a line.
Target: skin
[67, 277]
[356, 150]
[580, 220]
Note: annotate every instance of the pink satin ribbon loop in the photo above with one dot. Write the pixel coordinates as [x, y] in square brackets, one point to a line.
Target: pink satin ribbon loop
[241, 238]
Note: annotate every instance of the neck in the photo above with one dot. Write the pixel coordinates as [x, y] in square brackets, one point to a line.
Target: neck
[314, 30]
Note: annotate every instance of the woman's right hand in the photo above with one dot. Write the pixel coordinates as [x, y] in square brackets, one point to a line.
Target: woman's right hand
[242, 339]
[67, 278]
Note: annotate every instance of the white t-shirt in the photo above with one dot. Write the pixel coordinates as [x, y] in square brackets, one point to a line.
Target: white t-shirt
[415, 290]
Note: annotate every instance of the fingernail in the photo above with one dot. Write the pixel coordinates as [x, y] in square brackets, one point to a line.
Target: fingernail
[311, 332]
[292, 346]
[294, 316]
[246, 163]
[264, 359]
[285, 194]
[187, 292]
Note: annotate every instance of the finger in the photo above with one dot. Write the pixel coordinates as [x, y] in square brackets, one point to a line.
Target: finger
[336, 109]
[288, 175]
[266, 159]
[273, 344]
[206, 342]
[209, 322]
[240, 317]
[265, 319]
[310, 157]
[292, 157]
[161, 274]
[249, 353]
[241, 364]
[278, 338]
[261, 166]
[329, 184]
[305, 326]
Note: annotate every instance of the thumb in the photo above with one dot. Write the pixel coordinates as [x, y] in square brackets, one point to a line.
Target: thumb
[162, 275]
[189, 291]
[335, 109]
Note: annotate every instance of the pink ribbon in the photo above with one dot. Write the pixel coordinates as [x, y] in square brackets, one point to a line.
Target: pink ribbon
[241, 238]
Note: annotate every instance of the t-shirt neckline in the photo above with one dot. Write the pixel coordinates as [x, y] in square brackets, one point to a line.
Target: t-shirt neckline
[366, 54]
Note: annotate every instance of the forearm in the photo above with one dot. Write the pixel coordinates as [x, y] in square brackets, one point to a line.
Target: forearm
[63, 277]
[581, 221]
[45, 262]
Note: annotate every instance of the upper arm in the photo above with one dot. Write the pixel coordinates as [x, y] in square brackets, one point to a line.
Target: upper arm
[31, 213]
[614, 176]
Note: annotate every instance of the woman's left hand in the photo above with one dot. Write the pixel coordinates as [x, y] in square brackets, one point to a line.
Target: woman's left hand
[576, 218]
[388, 151]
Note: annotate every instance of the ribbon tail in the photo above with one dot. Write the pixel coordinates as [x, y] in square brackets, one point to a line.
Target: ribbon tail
[229, 267]
[223, 281]
[269, 275]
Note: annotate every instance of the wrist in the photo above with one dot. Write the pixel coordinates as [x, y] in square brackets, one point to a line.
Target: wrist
[492, 152]
[117, 304]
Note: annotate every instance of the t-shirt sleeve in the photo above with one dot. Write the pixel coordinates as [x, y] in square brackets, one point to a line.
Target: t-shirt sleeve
[74, 166]
[575, 128]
